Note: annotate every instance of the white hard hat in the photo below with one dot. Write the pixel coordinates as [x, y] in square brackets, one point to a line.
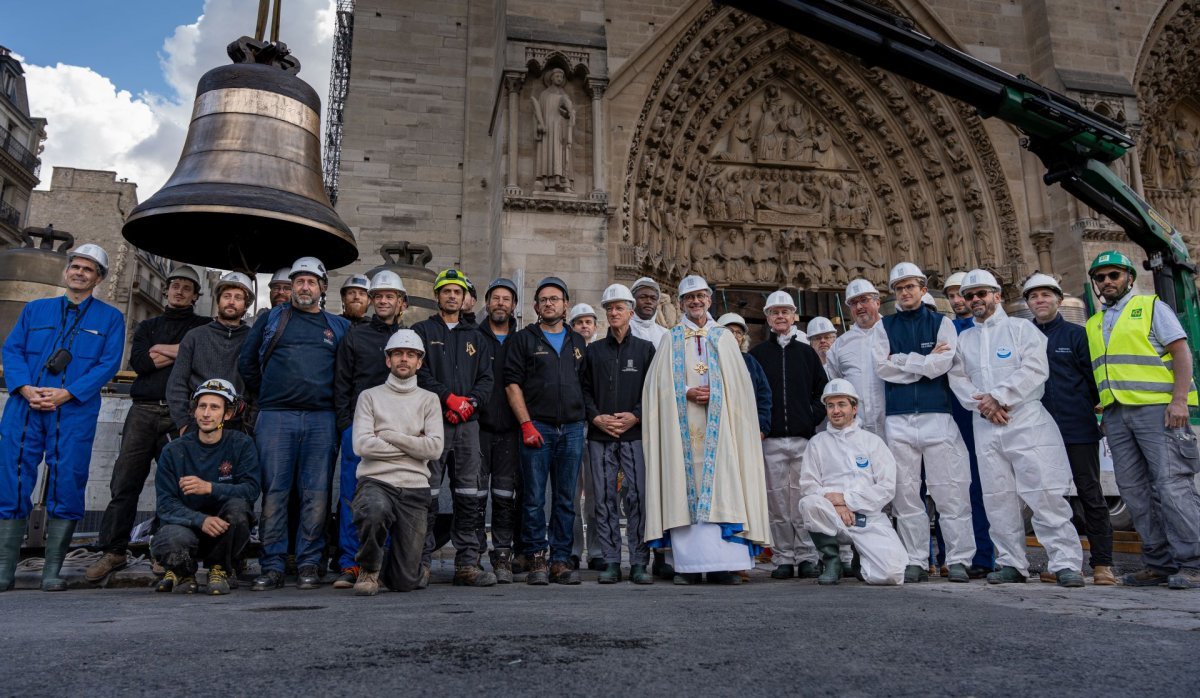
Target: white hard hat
[839, 386]
[93, 252]
[1040, 280]
[185, 272]
[979, 278]
[404, 339]
[282, 276]
[308, 265]
[219, 387]
[614, 293]
[906, 270]
[954, 279]
[780, 299]
[356, 281]
[691, 284]
[580, 310]
[927, 299]
[732, 319]
[859, 287]
[646, 282]
[387, 281]
[818, 326]
[236, 278]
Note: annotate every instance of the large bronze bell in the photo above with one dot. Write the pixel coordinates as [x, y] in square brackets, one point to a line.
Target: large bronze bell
[247, 192]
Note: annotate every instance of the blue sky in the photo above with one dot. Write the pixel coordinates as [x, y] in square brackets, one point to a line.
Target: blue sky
[120, 39]
[115, 79]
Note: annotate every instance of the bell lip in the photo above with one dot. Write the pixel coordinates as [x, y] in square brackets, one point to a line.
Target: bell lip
[334, 258]
[265, 77]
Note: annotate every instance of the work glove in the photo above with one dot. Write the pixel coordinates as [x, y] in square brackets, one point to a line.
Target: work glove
[452, 417]
[461, 405]
[531, 436]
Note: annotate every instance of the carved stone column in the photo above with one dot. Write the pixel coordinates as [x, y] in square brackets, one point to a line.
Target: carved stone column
[1043, 242]
[512, 85]
[596, 89]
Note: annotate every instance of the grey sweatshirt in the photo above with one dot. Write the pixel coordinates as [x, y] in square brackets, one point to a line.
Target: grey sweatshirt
[208, 351]
[397, 431]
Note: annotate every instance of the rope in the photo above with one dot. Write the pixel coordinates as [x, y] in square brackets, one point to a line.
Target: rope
[80, 557]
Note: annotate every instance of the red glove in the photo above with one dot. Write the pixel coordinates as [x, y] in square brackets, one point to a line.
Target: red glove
[461, 405]
[531, 436]
[452, 417]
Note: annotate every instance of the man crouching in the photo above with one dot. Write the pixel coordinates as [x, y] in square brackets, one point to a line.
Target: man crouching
[849, 475]
[397, 431]
[206, 483]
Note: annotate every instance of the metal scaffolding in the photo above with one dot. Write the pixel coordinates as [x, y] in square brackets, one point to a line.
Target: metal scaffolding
[339, 86]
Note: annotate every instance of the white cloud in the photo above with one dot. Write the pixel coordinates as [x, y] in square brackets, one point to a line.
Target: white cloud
[92, 124]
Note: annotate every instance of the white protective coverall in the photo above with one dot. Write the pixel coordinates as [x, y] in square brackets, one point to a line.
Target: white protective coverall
[858, 464]
[932, 438]
[1024, 460]
[850, 358]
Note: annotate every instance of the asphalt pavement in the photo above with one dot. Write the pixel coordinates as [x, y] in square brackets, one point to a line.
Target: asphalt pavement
[764, 637]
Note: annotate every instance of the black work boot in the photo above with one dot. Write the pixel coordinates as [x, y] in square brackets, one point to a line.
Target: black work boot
[539, 569]
[660, 567]
[564, 573]
[502, 565]
[638, 574]
[271, 579]
[784, 571]
[308, 577]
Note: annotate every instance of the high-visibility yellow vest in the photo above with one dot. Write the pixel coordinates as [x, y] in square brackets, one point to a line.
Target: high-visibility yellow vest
[1129, 371]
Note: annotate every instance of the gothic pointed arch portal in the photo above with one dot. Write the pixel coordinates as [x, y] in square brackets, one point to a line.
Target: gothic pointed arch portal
[763, 159]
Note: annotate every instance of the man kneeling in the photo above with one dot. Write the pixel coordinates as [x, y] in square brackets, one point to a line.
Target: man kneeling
[397, 431]
[848, 476]
[206, 483]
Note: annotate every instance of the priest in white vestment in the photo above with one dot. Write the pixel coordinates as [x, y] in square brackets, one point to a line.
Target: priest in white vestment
[706, 495]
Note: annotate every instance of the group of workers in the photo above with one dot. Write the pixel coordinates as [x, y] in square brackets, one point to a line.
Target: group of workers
[818, 446]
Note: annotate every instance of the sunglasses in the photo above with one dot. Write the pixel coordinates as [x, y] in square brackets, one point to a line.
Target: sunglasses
[1101, 277]
[972, 295]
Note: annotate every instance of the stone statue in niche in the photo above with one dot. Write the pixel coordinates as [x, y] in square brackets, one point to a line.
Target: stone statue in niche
[1187, 156]
[554, 114]
[983, 238]
[734, 254]
[822, 146]
[1168, 175]
[714, 204]
[679, 250]
[733, 199]
[797, 145]
[704, 252]
[763, 254]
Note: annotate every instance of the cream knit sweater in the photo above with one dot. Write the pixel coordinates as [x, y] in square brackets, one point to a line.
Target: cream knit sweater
[397, 431]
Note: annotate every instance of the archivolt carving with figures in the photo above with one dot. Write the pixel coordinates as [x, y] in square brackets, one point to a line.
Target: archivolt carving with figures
[762, 158]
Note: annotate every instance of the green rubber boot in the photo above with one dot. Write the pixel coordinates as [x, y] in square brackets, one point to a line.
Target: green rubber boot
[58, 541]
[827, 546]
[12, 532]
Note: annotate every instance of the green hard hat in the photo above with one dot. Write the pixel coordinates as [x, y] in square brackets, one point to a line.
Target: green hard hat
[1113, 258]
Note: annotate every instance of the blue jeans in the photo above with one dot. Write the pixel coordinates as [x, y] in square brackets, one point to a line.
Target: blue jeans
[557, 461]
[347, 483]
[295, 449]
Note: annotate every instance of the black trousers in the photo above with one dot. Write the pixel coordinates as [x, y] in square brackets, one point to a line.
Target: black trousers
[1085, 469]
[179, 548]
[147, 428]
[499, 478]
[399, 513]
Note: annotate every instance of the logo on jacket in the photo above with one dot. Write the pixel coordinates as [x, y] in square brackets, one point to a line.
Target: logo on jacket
[470, 349]
[1136, 312]
[328, 336]
[629, 367]
[862, 461]
[578, 354]
[1003, 352]
[225, 472]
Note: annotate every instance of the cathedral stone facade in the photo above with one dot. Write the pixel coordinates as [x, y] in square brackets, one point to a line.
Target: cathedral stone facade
[603, 140]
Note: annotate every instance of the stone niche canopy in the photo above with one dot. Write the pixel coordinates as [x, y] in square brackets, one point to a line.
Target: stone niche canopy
[763, 159]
